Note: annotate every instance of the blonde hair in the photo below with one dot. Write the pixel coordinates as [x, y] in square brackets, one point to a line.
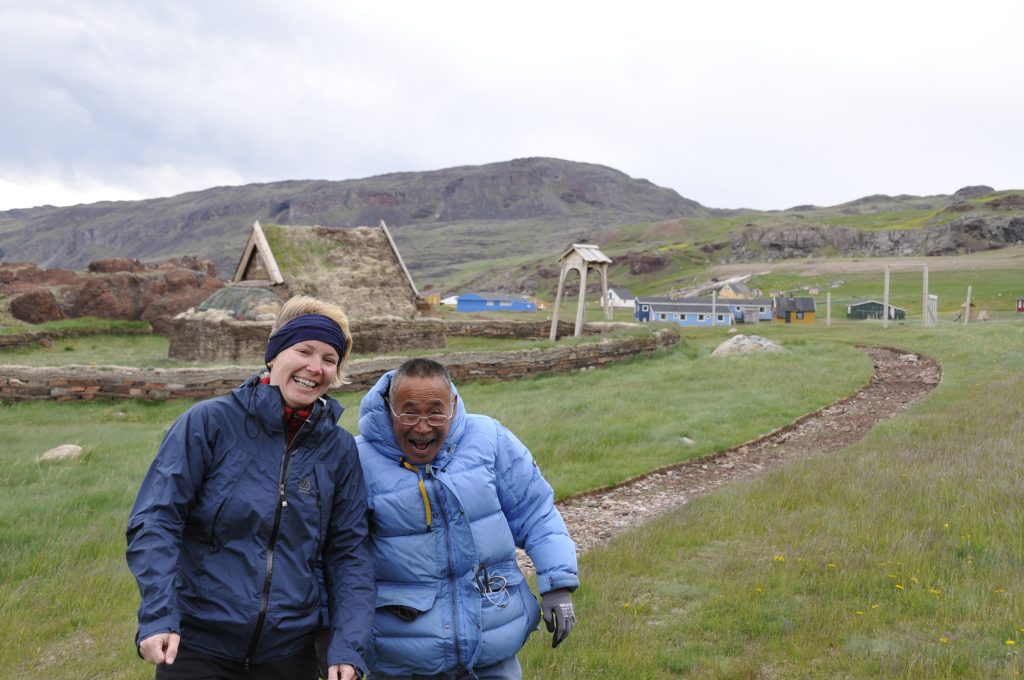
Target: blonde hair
[300, 305]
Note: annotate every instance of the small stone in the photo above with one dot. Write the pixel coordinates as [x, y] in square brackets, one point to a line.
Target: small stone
[62, 452]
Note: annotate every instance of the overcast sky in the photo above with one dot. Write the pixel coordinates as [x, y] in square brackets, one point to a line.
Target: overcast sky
[732, 103]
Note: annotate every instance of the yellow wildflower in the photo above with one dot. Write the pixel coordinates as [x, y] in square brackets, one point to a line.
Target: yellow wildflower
[943, 640]
[899, 586]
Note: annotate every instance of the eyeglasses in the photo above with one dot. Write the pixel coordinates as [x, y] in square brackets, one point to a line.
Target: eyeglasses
[412, 419]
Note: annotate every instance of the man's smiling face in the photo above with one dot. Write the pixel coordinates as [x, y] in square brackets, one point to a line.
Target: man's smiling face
[431, 400]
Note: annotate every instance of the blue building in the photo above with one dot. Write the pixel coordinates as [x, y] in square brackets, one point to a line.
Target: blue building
[702, 311]
[494, 302]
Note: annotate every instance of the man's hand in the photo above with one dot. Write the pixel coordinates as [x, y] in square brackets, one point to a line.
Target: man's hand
[556, 607]
[342, 671]
[160, 648]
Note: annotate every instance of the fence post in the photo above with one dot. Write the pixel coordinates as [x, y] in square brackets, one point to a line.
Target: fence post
[885, 300]
[924, 299]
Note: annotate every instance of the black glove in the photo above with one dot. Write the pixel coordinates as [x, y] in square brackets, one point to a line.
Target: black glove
[556, 607]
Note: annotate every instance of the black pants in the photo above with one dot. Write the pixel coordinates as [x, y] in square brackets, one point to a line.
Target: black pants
[191, 665]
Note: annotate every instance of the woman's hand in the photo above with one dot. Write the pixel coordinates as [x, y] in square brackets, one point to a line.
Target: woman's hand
[160, 648]
[342, 671]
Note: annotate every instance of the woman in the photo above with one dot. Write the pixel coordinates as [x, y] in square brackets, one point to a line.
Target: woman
[246, 496]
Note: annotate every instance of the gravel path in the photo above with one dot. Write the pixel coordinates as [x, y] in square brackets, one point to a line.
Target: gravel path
[900, 380]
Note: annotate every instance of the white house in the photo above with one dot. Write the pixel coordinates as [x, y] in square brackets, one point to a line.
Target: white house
[620, 297]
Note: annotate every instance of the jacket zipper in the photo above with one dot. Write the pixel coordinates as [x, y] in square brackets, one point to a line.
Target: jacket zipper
[451, 572]
[282, 503]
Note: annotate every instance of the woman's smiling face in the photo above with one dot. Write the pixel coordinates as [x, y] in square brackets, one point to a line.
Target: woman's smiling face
[304, 371]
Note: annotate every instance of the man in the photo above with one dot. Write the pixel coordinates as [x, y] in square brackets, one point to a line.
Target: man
[450, 496]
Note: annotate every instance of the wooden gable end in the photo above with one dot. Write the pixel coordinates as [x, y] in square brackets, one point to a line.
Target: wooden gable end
[257, 263]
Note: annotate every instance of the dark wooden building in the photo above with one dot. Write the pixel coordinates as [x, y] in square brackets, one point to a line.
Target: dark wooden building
[872, 309]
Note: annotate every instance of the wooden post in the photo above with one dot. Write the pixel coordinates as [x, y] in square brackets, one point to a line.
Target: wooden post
[967, 307]
[828, 308]
[885, 300]
[924, 299]
[554, 314]
[604, 293]
[714, 316]
[581, 308]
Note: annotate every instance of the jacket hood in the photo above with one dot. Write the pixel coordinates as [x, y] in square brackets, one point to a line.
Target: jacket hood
[375, 423]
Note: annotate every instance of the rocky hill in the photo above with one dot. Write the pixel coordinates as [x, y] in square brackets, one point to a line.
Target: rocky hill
[501, 226]
[973, 219]
[438, 218]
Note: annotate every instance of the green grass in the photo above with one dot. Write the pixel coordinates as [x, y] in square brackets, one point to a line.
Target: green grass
[63, 591]
[84, 325]
[899, 557]
[601, 427]
[698, 593]
[992, 289]
[136, 351]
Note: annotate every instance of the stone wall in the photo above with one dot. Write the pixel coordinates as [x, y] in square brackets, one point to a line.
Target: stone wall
[23, 383]
[382, 335]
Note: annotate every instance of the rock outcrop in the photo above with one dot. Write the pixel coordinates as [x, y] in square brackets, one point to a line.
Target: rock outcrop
[962, 235]
[111, 289]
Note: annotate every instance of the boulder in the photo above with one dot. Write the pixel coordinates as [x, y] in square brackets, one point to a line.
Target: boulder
[62, 452]
[116, 264]
[744, 344]
[37, 305]
[25, 275]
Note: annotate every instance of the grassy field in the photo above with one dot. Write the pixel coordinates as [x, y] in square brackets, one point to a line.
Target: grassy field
[901, 557]
[995, 285]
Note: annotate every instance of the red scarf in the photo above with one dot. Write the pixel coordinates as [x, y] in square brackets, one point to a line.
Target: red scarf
[293, 418]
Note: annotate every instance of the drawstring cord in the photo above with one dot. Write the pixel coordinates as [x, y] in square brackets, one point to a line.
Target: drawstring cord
[423, 488]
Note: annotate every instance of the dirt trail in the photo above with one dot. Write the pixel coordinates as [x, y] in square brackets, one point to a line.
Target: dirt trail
[900, 380]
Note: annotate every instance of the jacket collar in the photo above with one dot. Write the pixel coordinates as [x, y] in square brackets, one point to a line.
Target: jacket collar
[266, 405]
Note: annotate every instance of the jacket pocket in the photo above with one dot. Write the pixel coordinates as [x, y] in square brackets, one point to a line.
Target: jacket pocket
[417, 597]
[507, 615]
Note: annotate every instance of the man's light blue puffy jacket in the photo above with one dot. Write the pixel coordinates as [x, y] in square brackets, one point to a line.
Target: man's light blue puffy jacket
[228, 525]
[486, 496]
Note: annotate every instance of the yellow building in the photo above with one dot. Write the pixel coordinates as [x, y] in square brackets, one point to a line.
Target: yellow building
[793, 310]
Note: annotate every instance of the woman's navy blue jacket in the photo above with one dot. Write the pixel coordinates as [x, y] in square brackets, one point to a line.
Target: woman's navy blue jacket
[229, 526]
